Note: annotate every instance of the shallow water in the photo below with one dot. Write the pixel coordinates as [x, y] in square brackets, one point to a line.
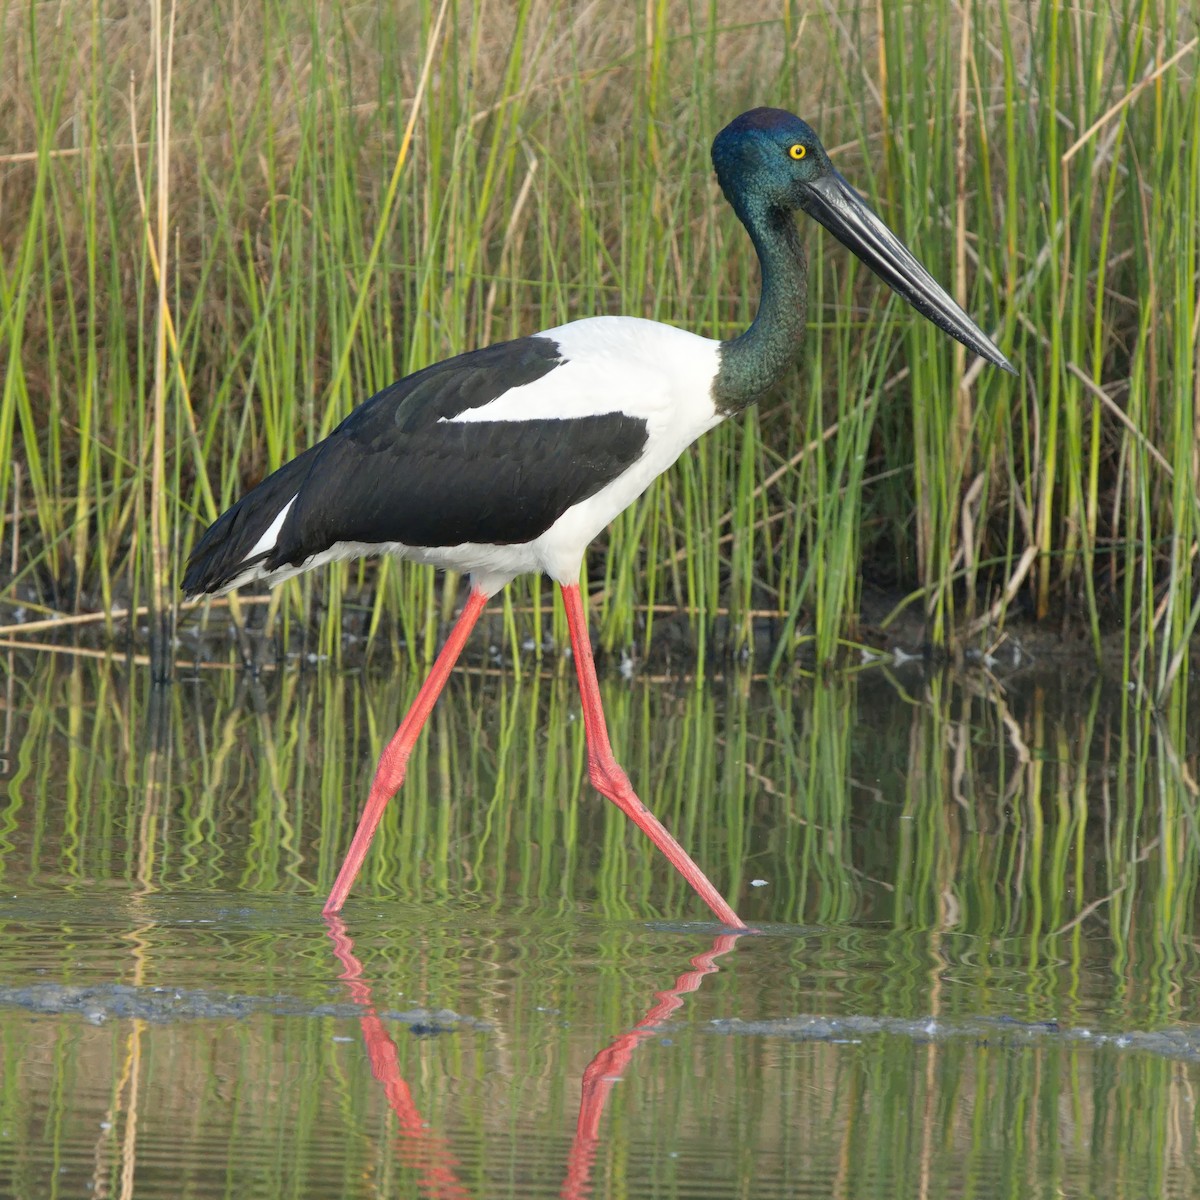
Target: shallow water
[972, 974]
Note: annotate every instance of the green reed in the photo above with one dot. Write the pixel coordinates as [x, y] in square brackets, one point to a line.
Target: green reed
[1039, 160]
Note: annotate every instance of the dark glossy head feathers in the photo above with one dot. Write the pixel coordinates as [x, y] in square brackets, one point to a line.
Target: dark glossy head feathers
[769, 154]
[770, 162]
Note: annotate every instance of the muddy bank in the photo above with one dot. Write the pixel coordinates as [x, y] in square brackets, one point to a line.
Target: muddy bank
[887, 630]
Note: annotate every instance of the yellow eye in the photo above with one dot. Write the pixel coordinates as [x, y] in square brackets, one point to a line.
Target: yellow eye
[798, 151]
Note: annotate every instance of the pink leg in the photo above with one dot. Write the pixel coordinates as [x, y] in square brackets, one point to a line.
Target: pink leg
[394, 761]
[611, 781]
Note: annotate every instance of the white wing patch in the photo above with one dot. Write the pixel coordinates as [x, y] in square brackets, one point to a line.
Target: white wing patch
[268, 539]
[653, 372]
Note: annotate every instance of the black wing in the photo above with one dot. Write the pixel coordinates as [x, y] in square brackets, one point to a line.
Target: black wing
[397, 469]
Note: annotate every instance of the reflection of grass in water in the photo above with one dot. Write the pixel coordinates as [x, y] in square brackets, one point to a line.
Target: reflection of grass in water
[1042, 854]
[957, 809]
[1046, 171]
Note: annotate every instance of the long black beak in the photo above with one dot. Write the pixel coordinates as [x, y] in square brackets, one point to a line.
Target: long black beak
[833, 202]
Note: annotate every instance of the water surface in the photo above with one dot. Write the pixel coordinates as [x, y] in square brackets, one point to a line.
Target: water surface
[972, 976]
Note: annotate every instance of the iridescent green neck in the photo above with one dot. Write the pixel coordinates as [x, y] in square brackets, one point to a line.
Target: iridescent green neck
[751, 363]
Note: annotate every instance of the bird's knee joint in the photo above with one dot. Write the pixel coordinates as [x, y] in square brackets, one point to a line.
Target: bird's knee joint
[607, 777]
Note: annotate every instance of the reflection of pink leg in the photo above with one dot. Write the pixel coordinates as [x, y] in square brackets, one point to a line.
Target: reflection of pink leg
[431, 1156]
[611, 781]
[394, 761]
[609, 1065]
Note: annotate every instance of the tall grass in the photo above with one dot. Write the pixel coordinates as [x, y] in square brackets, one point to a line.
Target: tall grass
[1041, 160]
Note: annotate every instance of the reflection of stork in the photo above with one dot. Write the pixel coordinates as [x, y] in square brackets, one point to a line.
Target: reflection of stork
[430, 1154]
[512, 458]
[609, 1065]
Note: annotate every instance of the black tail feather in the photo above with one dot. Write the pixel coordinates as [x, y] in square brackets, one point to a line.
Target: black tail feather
[219, 557]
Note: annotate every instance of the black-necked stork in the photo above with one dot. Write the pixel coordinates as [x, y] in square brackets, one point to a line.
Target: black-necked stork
[514, 457]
